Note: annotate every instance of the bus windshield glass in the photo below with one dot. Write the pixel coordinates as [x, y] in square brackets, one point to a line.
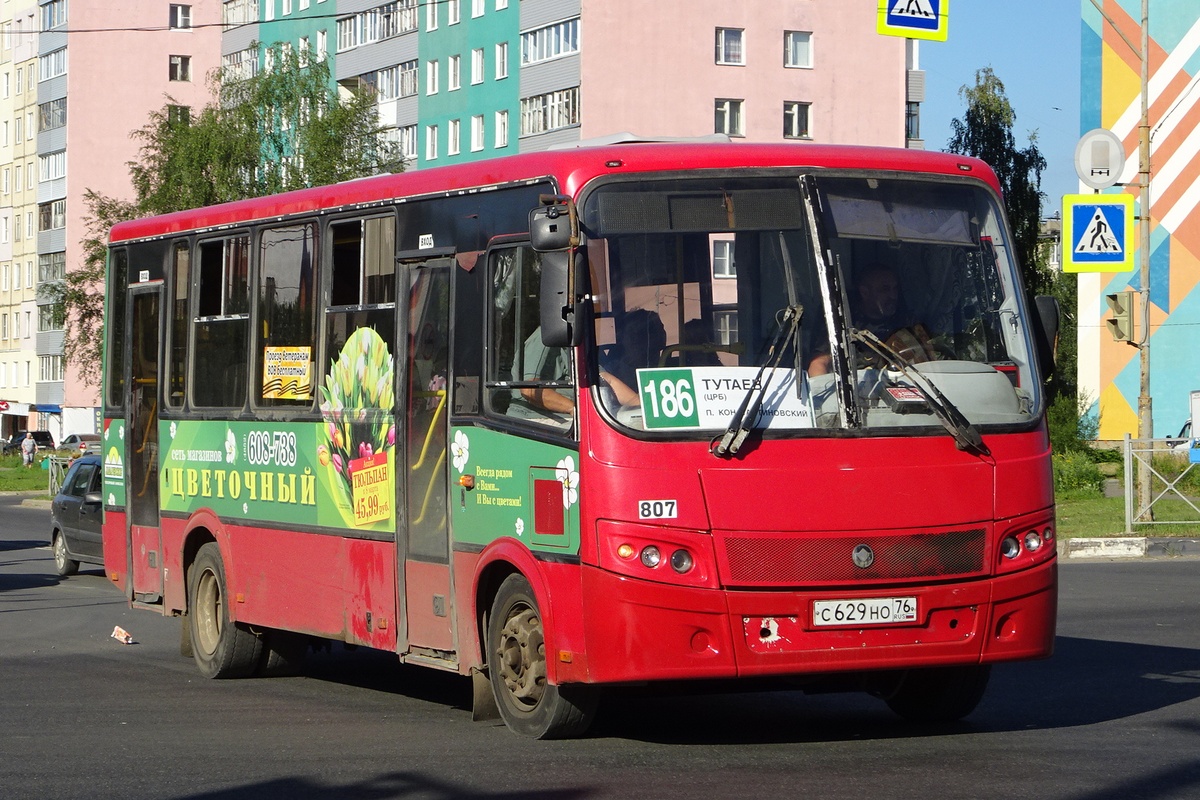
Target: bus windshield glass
[806, 304]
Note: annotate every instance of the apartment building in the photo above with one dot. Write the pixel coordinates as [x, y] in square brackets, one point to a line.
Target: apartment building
[75, 81]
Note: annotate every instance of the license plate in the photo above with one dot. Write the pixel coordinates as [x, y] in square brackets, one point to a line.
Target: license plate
[865, 611]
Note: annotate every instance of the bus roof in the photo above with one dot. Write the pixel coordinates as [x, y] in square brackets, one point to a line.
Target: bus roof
[572, 167]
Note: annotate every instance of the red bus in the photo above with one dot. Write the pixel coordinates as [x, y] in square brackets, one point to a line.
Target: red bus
[632, 413]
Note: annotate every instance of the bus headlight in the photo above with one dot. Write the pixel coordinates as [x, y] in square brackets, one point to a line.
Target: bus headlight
[681, 561]
[1033, 541]
[651, 556]
[1010, 547]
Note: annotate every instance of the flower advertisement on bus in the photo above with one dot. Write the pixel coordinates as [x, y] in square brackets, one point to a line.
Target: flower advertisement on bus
[339, 472]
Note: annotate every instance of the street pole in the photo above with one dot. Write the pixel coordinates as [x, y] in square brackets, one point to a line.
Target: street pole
[1145, 417]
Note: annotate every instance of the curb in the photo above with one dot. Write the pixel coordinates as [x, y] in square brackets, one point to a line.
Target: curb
[1128, 547]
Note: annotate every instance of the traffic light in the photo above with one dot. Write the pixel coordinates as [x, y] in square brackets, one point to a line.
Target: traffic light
[1120, 325]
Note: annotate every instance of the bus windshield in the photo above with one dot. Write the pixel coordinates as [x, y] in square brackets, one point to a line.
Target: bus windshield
[808, 304]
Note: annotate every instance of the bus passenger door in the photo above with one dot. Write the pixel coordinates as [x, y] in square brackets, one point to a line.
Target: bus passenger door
[141, 442]
[425, 576]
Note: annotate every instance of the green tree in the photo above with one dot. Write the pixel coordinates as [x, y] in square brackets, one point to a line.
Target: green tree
[986, 132]
[285, 128]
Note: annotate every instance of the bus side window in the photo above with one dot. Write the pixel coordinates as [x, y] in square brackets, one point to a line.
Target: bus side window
[285, 352]
[180, 274]
[525, 379]
[222, 323]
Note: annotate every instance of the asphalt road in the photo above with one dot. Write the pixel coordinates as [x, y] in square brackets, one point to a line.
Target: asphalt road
[1115, 714]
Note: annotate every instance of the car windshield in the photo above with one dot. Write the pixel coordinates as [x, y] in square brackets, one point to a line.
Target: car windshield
[717, 298]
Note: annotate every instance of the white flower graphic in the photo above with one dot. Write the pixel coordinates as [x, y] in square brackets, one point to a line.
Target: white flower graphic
[112, 499]
[566, 475]
[460, 448]
[520, 526]
[174, 428]
[245, 508]
[230, 447]
[121, 433]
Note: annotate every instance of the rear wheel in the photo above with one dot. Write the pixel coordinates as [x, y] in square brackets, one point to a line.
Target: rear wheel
[942, 694]
[64, 565]
[220, 647]
[528, 703]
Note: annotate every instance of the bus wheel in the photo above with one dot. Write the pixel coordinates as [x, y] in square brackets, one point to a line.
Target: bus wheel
[221, 648]
[528, 704]
[939, 694]
[64, 565]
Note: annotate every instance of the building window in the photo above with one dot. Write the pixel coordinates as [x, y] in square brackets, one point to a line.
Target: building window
[501, 4]
[797, 49]
[52, 267]
[431, 134]
[727, 327]
[408, 141]
[346, 34]
[455, 68]
[477, 133]
[548, 112]
[53, 215]
[728, 118]
[454, 11]
[322, 45]
[452, 138]
[501, 129]
[502, 60]
[477, 66]
[52, 115]
[729, 46]
[303, 51]
[408, 78]
[50, 368]
[286, 9]
[52, 64]
[912, 120]
[181, 17]
[552, 41]
[431, 77]
[796, 121]
[54, 14]
[241, 64]
[477, 7]
[387, 84]
[431, 16]
[722, 259]
[181, 68]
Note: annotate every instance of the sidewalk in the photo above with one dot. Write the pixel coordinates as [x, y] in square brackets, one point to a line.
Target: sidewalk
[1128, 547]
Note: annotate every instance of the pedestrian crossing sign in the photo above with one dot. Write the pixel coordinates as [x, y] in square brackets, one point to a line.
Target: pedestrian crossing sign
[913, 19]
[1097, 233]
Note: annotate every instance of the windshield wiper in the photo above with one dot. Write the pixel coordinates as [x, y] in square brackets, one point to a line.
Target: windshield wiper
[743, 420]
[966, 435]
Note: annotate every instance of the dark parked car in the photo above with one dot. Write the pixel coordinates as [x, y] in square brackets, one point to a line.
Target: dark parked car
[81, 442]
[43, 438]
[75, 517]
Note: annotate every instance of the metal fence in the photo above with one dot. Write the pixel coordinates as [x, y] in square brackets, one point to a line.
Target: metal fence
[58, 470]
[1173, 496]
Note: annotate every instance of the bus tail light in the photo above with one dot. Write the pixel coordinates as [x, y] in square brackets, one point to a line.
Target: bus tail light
[652, 553]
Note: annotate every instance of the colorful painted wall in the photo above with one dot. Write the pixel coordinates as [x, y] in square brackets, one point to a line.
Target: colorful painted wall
[1110, 97]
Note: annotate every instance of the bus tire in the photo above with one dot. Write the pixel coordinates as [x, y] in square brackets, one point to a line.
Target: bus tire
[64, 565]
[942, 694]
[220, 647]
[516, 655]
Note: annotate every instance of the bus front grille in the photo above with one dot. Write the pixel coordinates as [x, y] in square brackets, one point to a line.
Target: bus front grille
[782, 560]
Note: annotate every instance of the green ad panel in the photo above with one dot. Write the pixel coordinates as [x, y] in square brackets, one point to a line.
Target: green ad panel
[275, 473]
[525, 489]
[113, 452]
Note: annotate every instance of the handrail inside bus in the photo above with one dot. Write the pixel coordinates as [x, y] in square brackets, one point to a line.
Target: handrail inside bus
[437, 470]
[440, 394]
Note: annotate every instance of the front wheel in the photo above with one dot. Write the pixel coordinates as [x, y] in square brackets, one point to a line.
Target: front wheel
[943, 694]
[64, 565]
[221, 648]
[516, 647]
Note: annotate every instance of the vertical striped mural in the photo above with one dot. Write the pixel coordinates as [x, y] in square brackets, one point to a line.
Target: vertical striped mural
[1110, 97]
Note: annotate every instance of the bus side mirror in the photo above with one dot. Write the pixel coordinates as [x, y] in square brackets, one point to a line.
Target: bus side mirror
[557, 301]
[1045, 332]
[554, 224]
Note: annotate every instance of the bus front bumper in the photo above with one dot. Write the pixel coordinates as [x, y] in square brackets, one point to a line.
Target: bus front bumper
[646, 631]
